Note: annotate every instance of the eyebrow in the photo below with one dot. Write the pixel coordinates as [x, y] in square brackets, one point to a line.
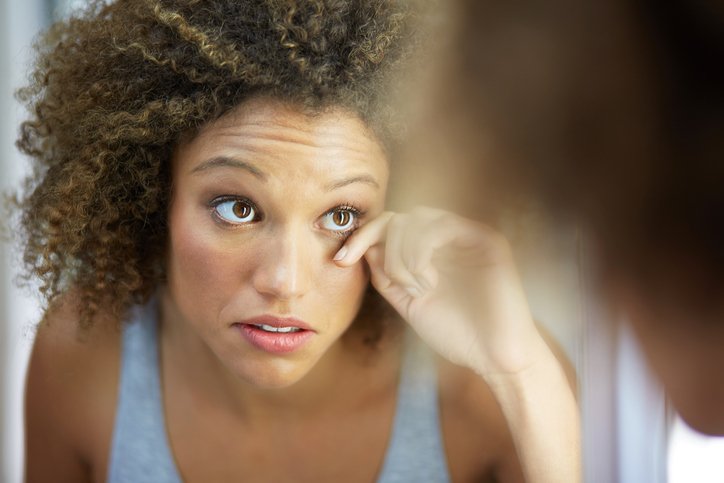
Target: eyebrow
[226, 162]
[364, 178]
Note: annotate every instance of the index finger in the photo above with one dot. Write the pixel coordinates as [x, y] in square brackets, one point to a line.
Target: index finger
[361, 240]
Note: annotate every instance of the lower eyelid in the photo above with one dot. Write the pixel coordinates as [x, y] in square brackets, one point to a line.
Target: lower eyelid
[355, 226]
[343, 235]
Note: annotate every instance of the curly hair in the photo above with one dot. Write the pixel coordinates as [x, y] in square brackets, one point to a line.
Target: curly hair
[116, 86]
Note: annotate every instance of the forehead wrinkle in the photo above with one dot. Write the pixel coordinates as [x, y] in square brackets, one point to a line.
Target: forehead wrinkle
[362, 179]
[229, 162]
[271, 134]
[275, 140]
[281, 150]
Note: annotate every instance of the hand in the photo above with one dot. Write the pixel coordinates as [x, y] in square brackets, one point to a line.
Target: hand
[455, 282]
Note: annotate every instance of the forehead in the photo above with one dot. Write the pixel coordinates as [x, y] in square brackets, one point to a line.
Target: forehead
[279, 139]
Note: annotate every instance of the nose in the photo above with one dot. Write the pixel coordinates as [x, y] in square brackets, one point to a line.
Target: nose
[285, 266]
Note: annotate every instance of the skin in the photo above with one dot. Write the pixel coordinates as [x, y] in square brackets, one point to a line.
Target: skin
[291, 260]
[435, 266]
[291, 173]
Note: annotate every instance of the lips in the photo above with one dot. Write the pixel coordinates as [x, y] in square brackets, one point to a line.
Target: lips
[275, 335]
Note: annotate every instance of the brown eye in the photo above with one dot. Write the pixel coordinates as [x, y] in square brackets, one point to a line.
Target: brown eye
[236, 211]
[339, 220]
[242, 209]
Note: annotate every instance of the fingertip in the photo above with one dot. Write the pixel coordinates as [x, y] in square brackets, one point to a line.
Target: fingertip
[344, 263]
[341, 253]
[346, 258]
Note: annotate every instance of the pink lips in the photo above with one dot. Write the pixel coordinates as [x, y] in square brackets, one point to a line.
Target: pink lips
[275, 342]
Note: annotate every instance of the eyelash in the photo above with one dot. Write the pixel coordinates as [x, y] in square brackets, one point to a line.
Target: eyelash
[356, 212]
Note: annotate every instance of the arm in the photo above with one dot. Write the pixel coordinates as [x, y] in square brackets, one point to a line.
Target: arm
[456, 284]
[541, 411]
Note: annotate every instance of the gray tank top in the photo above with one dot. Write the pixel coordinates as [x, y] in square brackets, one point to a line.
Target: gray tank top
[140, 451]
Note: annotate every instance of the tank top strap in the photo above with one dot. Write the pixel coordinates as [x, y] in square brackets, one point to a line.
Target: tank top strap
[140, 450]
[416, 450]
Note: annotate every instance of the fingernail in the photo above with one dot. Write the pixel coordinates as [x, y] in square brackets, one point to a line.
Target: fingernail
[414, 291]
[340, 254]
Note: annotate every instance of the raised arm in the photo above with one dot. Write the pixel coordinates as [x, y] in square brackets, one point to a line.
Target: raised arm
[455, 282]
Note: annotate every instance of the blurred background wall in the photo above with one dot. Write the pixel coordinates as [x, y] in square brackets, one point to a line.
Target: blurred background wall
[20, 20]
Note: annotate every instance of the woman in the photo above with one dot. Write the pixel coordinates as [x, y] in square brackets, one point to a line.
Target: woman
[206, 218]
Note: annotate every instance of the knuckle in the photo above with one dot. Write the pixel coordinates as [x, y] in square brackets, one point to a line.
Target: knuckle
[420, 211]
[427, 212]
[397, 221]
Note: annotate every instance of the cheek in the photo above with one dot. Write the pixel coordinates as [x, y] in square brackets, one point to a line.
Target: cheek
[200, 267]
[342, 291]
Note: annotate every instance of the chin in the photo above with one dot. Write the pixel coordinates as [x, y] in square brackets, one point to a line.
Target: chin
[276, 374]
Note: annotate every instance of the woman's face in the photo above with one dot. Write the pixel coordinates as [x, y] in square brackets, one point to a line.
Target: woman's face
[262, 200]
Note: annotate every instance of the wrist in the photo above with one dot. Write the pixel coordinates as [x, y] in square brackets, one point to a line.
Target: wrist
[542, 367]
[501, 359]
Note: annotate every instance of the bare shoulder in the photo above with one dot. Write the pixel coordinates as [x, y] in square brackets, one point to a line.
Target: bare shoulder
[478, 441]
[70, 395]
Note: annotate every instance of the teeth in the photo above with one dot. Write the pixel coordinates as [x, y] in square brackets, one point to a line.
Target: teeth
[283, 330]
